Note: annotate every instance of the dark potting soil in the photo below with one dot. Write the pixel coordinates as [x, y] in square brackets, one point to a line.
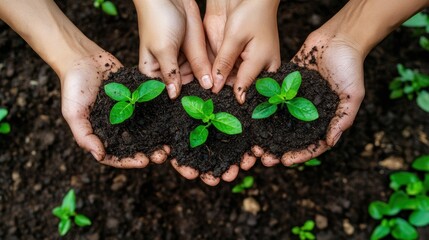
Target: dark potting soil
[163, 121]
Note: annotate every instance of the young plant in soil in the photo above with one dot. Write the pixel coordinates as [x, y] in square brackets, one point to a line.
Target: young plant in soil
[247, 183]
[66, 212]
[411, 196]
[304, 232]
[420, 23]
[310, 163]
[199, 109]
[411, 83]
[299, 107]
[125, 106]
[107, 7]
[4, 126]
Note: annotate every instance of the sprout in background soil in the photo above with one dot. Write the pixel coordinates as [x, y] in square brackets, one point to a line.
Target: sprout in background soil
[299, 107]
[420, 23]
[199, 109]
[247, 183]
[411, 196]
[304, 232]
[66, 212]
[4, 126]
[108, 7]
[310, 163]
[124, 108]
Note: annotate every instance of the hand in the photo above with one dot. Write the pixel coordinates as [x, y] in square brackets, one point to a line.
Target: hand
[165, 28]
[79, 88]
[241, 44]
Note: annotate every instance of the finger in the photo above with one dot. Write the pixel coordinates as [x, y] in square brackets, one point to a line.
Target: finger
[269, 160]
[185, 171]
[194, 46]
[225, 60]
[230, 174]
[310, 152]
[158, 156]
[167, 58]
[247, 161]
[209, 179]
[186, 73]
[257, 151]
[247, 73]
[148, 64]
[138, 161]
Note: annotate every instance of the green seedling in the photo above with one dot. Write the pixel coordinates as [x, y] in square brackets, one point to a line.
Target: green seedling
[66, 212]
[411, 83]
[411, 195]
[420, 22]
[247, 183]
[305, 231]
[310, 163]
[125, 106]
[107, 7]
[199, 109]
[299, 107]
[4, 126]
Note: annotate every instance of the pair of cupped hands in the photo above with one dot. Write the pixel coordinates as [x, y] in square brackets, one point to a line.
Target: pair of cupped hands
[234, 42]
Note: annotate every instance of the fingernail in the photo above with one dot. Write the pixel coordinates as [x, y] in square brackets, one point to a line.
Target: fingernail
[207, 81]
[95, 155]
[243, 97]
[219, 78]
[171, 89]
[337, 137]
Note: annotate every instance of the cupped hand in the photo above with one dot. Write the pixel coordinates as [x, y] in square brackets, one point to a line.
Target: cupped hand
[243, 41]
[172, 43]
[79, 88]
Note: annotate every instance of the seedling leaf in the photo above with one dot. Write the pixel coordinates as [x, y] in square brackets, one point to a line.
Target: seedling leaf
[150, 90]
[403, 230]
[64, 226]
[60, 213]
[193, 106]
[117, 92]
[378, 209]
[396, 202]
[423, 100]
[309, 236]
[198, 136]
[414, 188]
[303, 109]
[248, 182]
[82, 220]
[291, 84]
[4, 128]
[69, 202]
[424, 42]
[419, 218]
[296, 230]
[380, 232]
[238, 189]
[396, 93]
[313, 162]
[267, 87]
[400, 179]
[418, 20]
[422, 202]
[227, 123]
[276, 99]
[120, 112]
[3, 113]
[208, 107]
[264, 110]
[308, 225]
[109, 8]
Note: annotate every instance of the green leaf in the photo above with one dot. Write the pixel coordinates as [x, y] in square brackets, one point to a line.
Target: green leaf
[395, 84]
[238, 189]
[267, 87]
[414, 188]
[64, 226]
[396, 202]
[291, 84]
[421, 163]
[264, 110]
[69, 202]
[309, 235]
[424, 42]
[109, 8]
[4, 128]
[403, 230]
[422, 202]
[117, 91]
[3, 113]
[380, 232]
[419, 218]
[418, 20]
[198, 136]
[149, 90]
[422, 80]
[406, 74]
[408, 89]
[313, 162]
[120, 112]
[396, 94]
[426, 182]
[276, 99]
[208, 108]
[308, 225]
[302, 109]
[248, 182]
[193, 105]
[423, 100]
[227, 123]
[82, 220]
[378, 209]
[296, 230]
[400, 179]
[60, 213]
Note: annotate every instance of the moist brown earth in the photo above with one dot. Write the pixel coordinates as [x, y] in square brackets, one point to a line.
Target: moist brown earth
[40, 161]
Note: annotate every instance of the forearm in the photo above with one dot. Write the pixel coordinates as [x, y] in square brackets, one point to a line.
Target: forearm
[48, 31]
[367, 22]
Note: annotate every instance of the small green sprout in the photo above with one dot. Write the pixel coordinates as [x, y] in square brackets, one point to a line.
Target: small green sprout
[304, 232]
[124, 108]
[411, 83]
[420, 22]
[245, 184]
[310, 163]
[197, 108]
[4, 126]
[108, 7]
[412, 195]
[66, 212]
[301, 108]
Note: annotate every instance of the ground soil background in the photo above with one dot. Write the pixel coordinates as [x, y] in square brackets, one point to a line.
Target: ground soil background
[39, 160]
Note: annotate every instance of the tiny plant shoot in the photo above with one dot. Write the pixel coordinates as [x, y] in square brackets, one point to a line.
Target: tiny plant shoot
[420, 22]
[299, 107]
[199, 109]
[124, 108]
[304, 232]
[247, 183]
[4, 126]
[66, 212]
[108, 7]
